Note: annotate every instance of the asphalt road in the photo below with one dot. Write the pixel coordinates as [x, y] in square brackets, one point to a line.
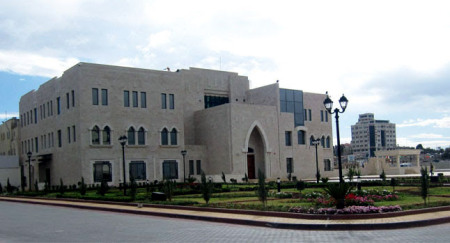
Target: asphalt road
[38, 223]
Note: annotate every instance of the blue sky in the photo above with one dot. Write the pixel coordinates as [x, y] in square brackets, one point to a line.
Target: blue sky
[390, 58]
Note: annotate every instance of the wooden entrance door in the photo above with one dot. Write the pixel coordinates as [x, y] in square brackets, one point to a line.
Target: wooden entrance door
[251, 166]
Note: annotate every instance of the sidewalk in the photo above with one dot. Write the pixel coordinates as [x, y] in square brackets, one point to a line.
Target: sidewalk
[265, 219]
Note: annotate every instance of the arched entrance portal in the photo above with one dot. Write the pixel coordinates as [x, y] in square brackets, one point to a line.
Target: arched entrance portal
[255, 153]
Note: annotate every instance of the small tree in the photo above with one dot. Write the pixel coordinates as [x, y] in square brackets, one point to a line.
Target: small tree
[338, 191]
[289, 176]
[424, 184]
[46, 187]
[262, 190]
[61, 186]
[169, 187]
[36, 185]
[206, 188]
[103, 189]
[1, 188]
[324, 179]
[82, 187]
[245, 178]
[133, 188]
[351, 173]
[394, 183]
[224, 179]
[383, 177]
[301, 185]
[9, 187]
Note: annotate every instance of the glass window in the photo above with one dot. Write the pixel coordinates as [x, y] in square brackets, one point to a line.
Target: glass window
[165, 137]
[143, 100]
[126, 98]
[301, 137]
[51, 107]
[35, 116]
[137, 170]
[171, 101]
[321, 116]
[322, 141]
[326, 116]
[36, 143]
[211, 101]
[106, 135]
[163, 101]
[67, 100]
[94, 97]
[131, 136]
[309, 114]
[289, 165]
[59, 139]
[199, 167]
[191, 167]
[173, 137]
[104, 97]
[141, 136]
[95, 133]
[73, 98]
[327, 165]
[328, 142]
[74, 134]
[102, 171]
[288, 138]
[311, 140]
[170, 169]
[135, 99]
[68, 134]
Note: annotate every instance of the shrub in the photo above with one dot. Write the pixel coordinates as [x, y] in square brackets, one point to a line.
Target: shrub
[324, 179]
[9, 187]
[301, 185]
[133, 189]
[82, 187]
[383, 176]
[206, 188]
[424, 184]
[61, 186]
[245, 178]
[169, 187]
[262, 190]
[338, 191]
[103, 189]
[36, 185]
[1, 188]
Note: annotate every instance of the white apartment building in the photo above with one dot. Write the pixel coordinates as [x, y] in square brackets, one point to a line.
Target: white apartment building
[71, 125]
[370, 135]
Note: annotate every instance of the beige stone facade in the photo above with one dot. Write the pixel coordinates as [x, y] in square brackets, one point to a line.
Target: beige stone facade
[72, 124]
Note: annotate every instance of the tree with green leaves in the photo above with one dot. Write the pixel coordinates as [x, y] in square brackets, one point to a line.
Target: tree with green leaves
[82, 187]
[383, 176]
[169, 187]
[424, 184]
[262, 189]
[338, 191]
[206, 188]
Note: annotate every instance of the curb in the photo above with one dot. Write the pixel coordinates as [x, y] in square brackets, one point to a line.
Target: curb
[327, 224]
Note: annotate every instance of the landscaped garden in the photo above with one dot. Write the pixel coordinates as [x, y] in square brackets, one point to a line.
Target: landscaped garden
[294, 196]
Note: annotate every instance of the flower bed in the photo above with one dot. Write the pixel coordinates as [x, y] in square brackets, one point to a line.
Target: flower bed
[347, 210]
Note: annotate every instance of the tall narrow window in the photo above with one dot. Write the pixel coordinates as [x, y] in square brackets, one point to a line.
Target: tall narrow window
[126, 98]
[191, 167]
[322, 141]
[309, 114]
[143, 100]
[135, 99]
[59, 139]
[35, 116]
[288, 138]
[131, 136]
[43, 110]
[165, 137]
[67, 100]
[163, 101]
[104, 97]
[321, 116]
[328, 142]
[95, 134]
[171, 101]
[36, 143]
[173, 137]
[199, 167]
[73, 98]
[301, 137]
[289, 165]
[68, 134]
[51, 107]
[141, 136]
[106, 136]
[94, 96]
[74, 134]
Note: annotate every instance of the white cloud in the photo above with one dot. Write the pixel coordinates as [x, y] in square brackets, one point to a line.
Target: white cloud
[437, 123]
[6, 116]
[427, 136]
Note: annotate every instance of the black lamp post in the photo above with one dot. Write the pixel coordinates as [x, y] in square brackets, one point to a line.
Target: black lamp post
[184, 152]
[328, 103]
[123, 141]
[29, 170]
[316, 142]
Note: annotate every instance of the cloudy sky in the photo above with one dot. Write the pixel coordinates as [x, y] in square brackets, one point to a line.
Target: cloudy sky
[391, 58]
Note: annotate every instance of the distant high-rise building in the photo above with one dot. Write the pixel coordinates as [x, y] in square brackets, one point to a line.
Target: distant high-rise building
[370, 135]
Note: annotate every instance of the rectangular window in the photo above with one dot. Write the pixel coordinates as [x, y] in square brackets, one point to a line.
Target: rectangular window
[31, 116]
[58, 105]
[143, 100]
[211, 101]
[59, 139]
[301, 137]
[309, 114]
[288, 138]
[51, 108]
[135, 99]
[74, 134]
[94, 96]
[73, 98]
[104, 97]
[171, 101]
[191, 167]
[67, 100]
[199, 167]
[326, 116]
[326, 165]
[137, 170]
[126, 98]
[306, 115]
[36, 143]
[43, 108]
[102, 171]
[170, 169]
[68, 134]
[163, 101]
[289, 165]
[321, 116]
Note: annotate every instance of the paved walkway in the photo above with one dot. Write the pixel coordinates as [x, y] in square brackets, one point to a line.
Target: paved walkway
[295, 222]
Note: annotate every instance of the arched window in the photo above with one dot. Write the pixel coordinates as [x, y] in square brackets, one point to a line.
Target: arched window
[173, 137]
[301, 137]
[164, 137]
[311, 140]
[141, 136]
[106, 135]
[328, 142]
[322, 141]
[131, 136]
[95, 134]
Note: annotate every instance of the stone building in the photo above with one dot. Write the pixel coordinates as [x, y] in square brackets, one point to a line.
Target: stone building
[9, 149]
[71, 124]
[370, 135]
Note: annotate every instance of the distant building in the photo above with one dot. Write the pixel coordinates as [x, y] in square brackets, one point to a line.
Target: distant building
[370, 135]
[9, 149]
[71, 125]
